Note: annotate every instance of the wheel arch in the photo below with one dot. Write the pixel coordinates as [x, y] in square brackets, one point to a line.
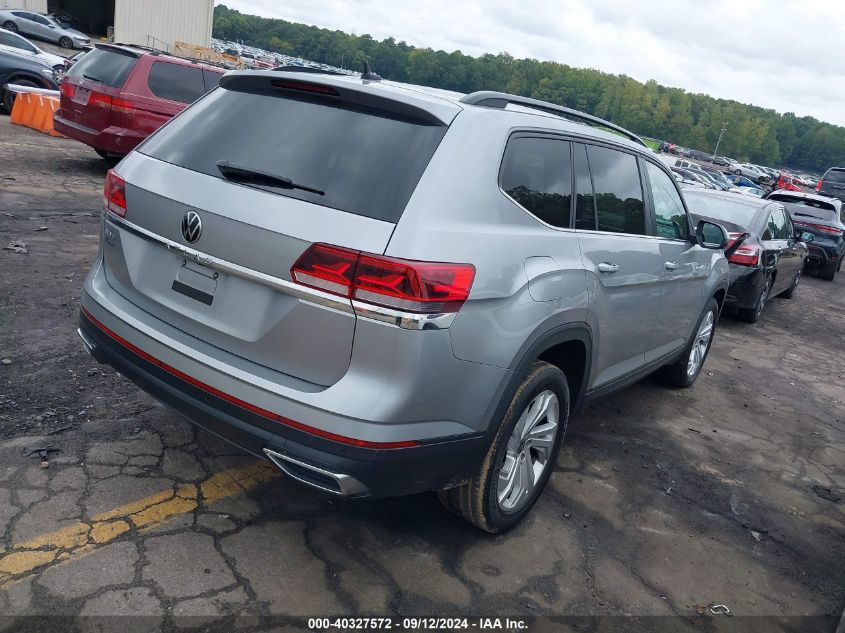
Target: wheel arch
[550, 345]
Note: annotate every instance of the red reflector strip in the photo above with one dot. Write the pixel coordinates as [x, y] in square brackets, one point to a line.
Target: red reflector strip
[264, 413]
[305, 87]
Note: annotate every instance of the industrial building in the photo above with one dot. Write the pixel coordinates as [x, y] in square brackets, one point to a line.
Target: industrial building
[156, 23]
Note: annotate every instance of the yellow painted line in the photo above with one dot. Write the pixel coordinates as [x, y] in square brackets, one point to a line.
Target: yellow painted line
[80, 539]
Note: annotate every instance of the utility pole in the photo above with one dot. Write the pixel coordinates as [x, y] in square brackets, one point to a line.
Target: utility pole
[721, 134]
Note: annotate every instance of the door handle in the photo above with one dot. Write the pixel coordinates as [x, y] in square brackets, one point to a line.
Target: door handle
[671, 266]
[606, 267]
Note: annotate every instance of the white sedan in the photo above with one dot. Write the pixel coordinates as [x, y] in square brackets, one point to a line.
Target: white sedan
[14, 43]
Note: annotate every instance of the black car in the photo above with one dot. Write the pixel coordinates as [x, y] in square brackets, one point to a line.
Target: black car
[823, 217]
[768, 262]
[832, 184]
[16, 69]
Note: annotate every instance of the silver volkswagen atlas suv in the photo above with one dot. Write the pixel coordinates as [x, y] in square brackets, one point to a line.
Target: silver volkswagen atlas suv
[386, 289]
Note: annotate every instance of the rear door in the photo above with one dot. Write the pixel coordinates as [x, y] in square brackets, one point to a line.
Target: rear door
[686, 266]
[786, 254]
[360, 164]
[624, 265]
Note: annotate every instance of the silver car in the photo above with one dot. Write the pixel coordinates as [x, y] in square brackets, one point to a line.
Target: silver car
[42, 26]
[387, 289]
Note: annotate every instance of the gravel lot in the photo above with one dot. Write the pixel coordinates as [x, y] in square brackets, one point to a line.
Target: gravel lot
[663, 502]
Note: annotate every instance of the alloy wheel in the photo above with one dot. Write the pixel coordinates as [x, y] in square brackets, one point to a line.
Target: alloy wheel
[528, 451]
[700, 344]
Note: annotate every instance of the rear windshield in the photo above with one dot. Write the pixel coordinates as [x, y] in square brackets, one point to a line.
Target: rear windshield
[733, 211]
[106, 67]
[835, 175]
[366, 161]
[803, 209]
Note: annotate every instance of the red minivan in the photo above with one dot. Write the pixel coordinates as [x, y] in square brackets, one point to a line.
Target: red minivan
[115, 96]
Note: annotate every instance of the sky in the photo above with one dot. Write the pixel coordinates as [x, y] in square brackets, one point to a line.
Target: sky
[780, 54]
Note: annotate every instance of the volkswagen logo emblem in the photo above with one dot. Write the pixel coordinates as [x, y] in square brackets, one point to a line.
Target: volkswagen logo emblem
[191, 227]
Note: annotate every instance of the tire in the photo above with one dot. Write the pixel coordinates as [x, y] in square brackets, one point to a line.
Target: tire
[10, 26]
[65, 42]
[752, 314]
[828, 272]
[681, 373]
[8, 97]
[478, 501]
[738, 172]
[106, 156]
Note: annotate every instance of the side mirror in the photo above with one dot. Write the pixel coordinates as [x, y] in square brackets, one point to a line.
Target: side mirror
[711, 235]
[806, 236]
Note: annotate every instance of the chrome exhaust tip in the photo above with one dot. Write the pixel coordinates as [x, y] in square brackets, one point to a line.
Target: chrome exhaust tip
[310, 475]
[89, 345]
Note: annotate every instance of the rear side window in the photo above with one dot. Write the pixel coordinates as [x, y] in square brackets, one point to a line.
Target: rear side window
[365, 161]
[618, 191]
[104, 66]
[176, 82]
[834, 175]
[537, 173]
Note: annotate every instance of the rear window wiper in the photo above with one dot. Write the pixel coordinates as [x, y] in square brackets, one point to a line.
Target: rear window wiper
[92, 78]
[246, 175]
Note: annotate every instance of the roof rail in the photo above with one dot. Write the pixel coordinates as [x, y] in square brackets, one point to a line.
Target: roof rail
[492, 99]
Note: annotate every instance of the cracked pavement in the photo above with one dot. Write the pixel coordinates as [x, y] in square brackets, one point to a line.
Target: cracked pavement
[663, 501]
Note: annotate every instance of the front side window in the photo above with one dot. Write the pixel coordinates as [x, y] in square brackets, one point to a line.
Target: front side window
[536, 172]
[618, 191]
[670, 217]
[176, 82]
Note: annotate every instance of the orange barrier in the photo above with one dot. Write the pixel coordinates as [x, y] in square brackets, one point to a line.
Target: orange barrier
[35, 111]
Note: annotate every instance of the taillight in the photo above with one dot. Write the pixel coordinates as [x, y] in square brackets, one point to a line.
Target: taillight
[412, 286]
[819, 185]
[114, 195]
[326, 268]
[746, 254]
[67, 89]
[830, 230]
[99, 99]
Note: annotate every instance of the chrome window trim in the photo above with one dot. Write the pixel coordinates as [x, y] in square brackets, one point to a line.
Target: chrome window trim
[389, 316]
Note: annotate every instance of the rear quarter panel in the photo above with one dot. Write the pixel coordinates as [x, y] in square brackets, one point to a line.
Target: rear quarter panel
[482, 226]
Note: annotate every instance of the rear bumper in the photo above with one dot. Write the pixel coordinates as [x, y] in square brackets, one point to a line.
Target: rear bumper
[746, 283]
[114, 140]
[823, 255]
[333, 466]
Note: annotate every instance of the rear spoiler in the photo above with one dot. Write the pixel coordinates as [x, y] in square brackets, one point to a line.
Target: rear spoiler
[353, 90]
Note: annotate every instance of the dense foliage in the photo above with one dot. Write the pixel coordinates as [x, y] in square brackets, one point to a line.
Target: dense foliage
[694, 120]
